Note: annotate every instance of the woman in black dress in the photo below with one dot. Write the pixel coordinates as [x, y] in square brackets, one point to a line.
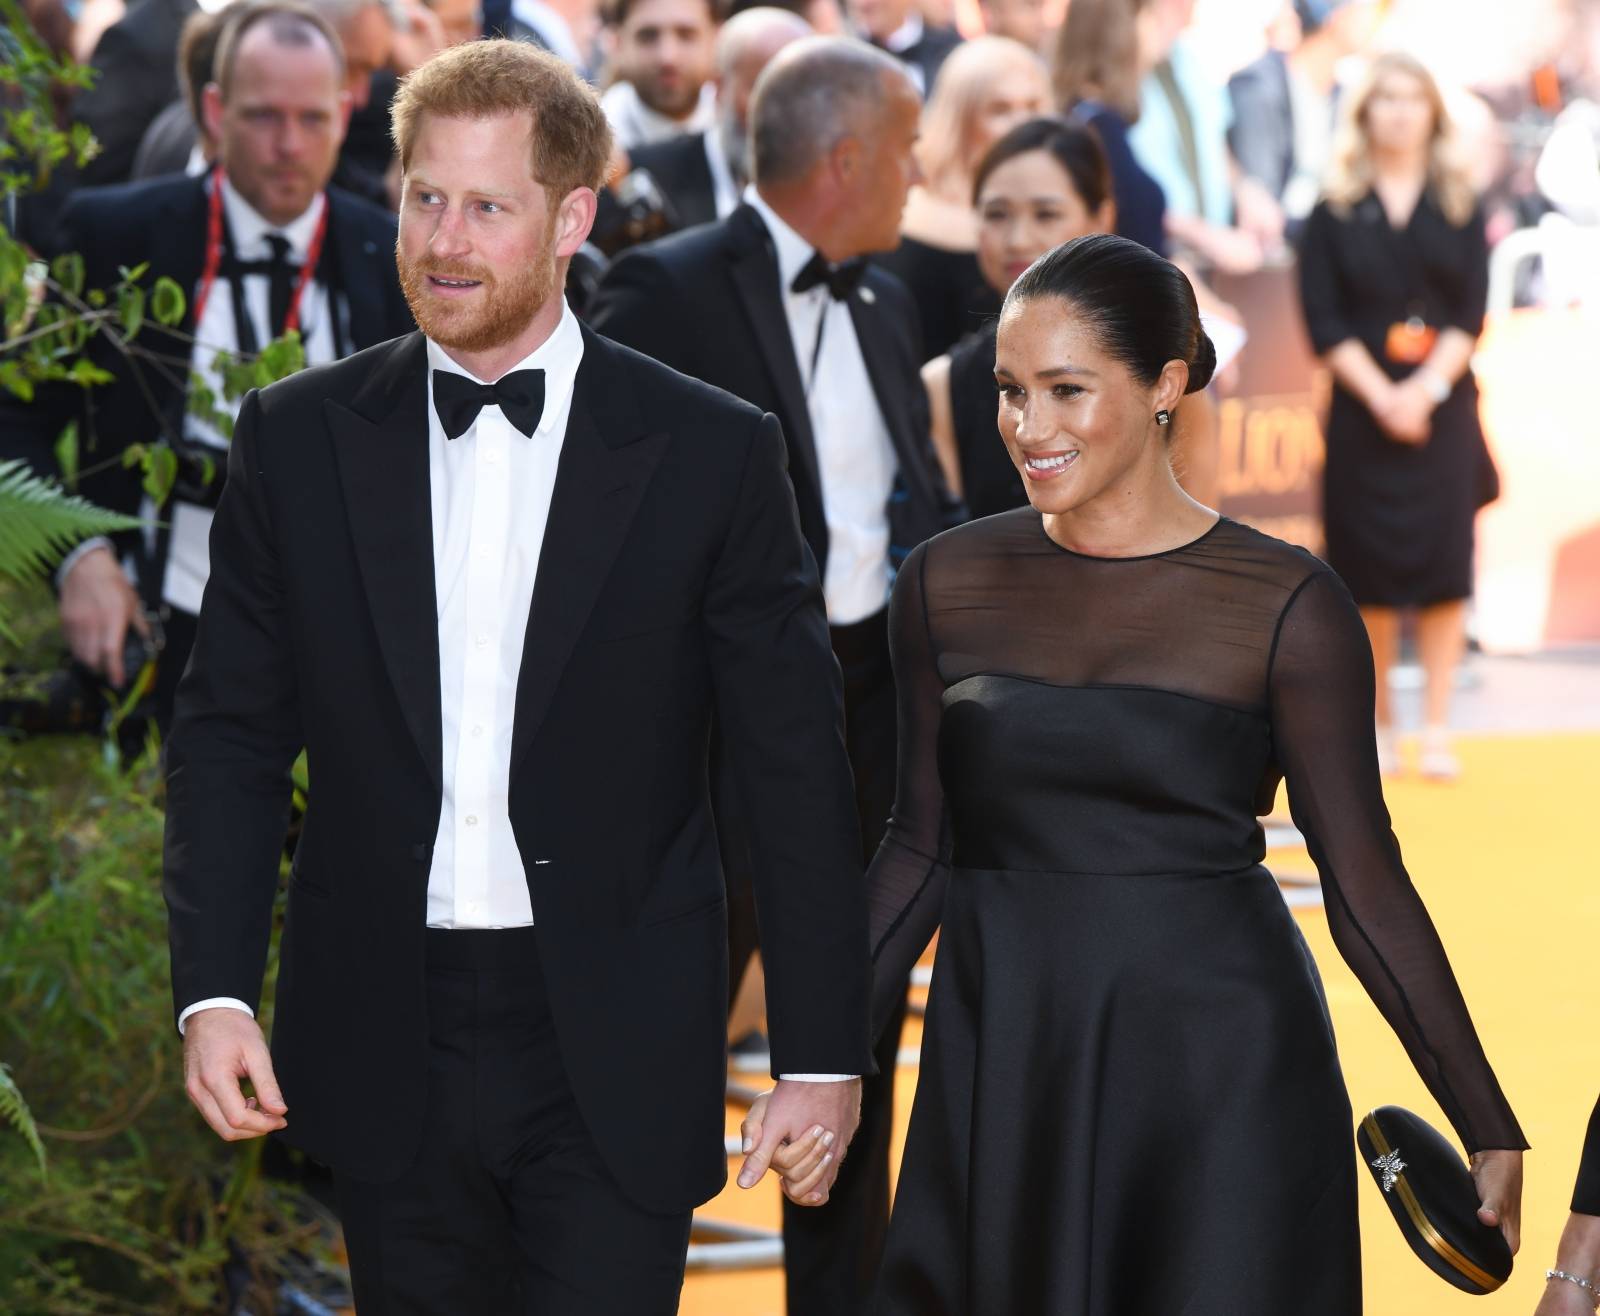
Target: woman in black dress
[1572, 1286]
[1042, 184]
[1393, 276]
[984, 88]
[1130, 1100]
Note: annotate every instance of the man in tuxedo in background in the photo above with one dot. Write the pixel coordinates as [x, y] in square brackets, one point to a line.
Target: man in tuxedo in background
[703, 176]
[239, 243]
[791, 318]
[898, 27]
[494, 580]
[660, 53]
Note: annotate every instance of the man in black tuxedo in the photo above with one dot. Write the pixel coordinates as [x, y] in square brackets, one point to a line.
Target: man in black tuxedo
[788, 316]
[495, 580]
[277, 113]
[898, 27]
[703, 175]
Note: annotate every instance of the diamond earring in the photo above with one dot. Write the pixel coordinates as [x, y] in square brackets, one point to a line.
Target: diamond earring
[1163, 416]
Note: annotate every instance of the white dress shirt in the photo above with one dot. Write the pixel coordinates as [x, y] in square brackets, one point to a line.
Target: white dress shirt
[491, 498]
[855, 454]
[636, 124]
[189, 554]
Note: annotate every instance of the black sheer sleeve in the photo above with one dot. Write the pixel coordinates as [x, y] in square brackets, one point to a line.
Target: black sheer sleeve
[907, 879]
[1320, 685]
[1328, 320]
[1586, 1196]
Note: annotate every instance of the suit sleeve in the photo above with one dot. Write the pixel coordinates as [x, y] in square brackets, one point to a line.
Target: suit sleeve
[780, 708]
[124, 100]
[637, 306]
[234, 738]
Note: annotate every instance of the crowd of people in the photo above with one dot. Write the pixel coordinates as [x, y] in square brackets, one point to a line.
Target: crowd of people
[821, 209]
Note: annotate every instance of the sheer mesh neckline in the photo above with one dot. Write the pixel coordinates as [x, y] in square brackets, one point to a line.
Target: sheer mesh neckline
[1134, 557]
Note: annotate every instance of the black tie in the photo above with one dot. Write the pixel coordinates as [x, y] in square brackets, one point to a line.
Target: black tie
[458, 400]
[281, 274]
[841, 280]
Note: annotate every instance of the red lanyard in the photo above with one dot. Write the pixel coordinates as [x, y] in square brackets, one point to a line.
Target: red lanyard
[214, 257]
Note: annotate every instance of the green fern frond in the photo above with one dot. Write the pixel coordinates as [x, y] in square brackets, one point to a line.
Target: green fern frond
[39, 521]
[14, 1110]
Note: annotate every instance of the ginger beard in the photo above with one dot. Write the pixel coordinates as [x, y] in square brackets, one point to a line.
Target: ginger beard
[491, 317]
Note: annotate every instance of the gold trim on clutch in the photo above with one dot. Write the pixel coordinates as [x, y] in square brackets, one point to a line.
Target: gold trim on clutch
[1424, 1226]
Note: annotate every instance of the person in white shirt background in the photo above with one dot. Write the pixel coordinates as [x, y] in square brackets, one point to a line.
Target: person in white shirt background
[661, 57]
[255, 245]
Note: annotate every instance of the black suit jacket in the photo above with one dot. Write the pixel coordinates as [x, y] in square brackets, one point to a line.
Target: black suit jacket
[673, 580]
[725, 276]
[136, 62]
[683, 174]
[163, 221]
[928, 54]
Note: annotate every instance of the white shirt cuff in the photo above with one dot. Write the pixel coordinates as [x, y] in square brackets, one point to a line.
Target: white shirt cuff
[211, 1003]
[78, 554]
[817, 1078]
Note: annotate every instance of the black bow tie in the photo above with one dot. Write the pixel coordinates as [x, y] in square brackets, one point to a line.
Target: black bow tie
[840, 280]
[458, 400]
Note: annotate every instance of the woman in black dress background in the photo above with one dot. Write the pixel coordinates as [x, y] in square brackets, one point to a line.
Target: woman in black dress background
[1130, 1100]
[1572, 1286]
[1044, 183]
[986, 87]
[1393, 277]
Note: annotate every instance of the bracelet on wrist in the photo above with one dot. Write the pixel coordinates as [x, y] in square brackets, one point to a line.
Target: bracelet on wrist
[1590, 1289]
[1437, 387]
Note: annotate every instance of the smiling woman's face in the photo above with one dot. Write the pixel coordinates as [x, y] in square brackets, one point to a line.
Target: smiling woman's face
[1028, 206]
[1076, 422]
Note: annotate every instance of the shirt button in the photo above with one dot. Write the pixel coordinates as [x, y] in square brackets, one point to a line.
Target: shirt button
[483, 641]
[476, 732]
[472, 820]
[490, 457]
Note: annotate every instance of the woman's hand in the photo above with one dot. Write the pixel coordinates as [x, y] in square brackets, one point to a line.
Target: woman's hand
[1405, 411]
[1498, 1175]
[1578, 1254]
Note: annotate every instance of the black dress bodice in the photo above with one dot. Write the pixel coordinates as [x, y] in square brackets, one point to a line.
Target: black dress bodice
[1132, 718]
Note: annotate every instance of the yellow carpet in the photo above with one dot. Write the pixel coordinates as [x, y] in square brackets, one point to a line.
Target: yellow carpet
[1506, 860]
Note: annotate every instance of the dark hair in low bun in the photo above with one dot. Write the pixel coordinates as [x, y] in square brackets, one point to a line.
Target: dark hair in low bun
[1203, 364]
[1139, 305]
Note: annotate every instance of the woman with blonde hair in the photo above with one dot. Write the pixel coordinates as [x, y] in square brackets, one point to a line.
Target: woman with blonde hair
[1393, 278]
[985, 88]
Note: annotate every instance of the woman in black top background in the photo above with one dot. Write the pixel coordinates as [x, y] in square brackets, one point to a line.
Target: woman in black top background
[1044, 183]
[1393, 277]
[1572, 1288]
[986, 87]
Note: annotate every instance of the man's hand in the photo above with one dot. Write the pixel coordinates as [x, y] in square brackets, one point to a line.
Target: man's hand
[97, 607]
[803, 1131]
[220, 1046]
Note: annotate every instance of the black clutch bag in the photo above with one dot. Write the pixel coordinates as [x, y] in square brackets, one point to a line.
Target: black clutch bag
[1431, 1195]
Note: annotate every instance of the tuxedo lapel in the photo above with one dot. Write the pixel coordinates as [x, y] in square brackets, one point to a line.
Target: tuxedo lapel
[607, 459]
[885, 366]
[755, 275]
[381, 446]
